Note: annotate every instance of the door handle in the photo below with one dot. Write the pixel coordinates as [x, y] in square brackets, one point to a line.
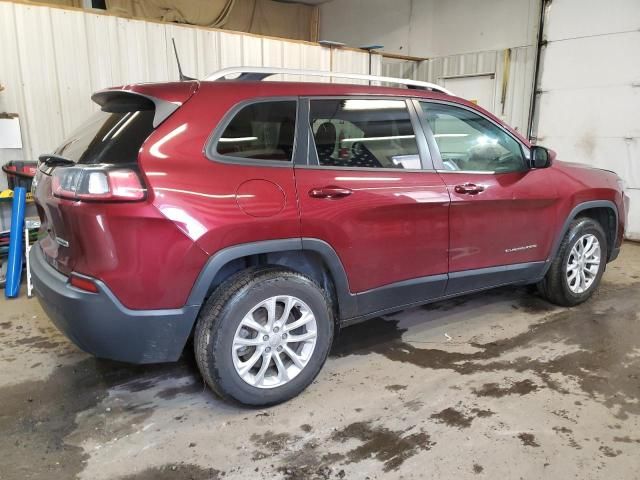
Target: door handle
[469, 188]
[330, 192]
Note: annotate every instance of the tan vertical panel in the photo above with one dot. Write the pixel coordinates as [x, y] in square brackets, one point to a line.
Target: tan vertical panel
[350, 61]
[273, 55]
[208, 50]
[12, 97]
[292, 58]
[158, 65]
[186, 43]
[42, 113]
[72, 67]
[133, 57]
[251, 51]
[230, 50]
[103, 51]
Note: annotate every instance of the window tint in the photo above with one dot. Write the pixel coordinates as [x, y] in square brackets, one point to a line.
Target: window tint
[261, 131]
[468, 141]
[364, 133]
[108, 137]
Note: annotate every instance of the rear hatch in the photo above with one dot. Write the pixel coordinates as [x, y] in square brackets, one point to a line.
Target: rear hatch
[95, 170]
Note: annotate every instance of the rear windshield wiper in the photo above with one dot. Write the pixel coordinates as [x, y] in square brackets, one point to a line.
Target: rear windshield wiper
[51, 160]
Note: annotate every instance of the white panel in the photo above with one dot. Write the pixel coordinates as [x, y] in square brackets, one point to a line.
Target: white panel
[103, 51]
[633, 227]
[455, 26]
[581, 18]
[272, 52]
[208, 49]
[477, 89]
[515, 110]
[376, 65]
[363, 22]
[251, 51]
[316, 57]
[292, 58]
[72, 67]
[186, 42]
[157, 61]
[6, 155]
[42, 110]
[133, 50]
[230, 50]
[350, 62]
[12, 98]
[616, 154]
[602, 61]
[610, 112]
[431, 28]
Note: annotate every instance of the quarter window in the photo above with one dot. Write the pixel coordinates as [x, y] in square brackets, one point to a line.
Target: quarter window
[470, 142]
[261, 131]
[364, 133]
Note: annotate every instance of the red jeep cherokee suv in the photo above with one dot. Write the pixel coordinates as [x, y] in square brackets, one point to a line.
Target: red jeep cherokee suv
[260, 217]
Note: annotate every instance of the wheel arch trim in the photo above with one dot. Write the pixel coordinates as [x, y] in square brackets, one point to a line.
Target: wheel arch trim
[572, 216]
[346, 300]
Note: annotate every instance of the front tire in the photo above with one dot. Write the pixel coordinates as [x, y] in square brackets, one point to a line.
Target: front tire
[264, 335]
[577, 269]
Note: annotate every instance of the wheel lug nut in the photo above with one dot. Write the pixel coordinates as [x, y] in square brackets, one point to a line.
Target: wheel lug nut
[265, 338]
[268, 349]
[279, 348]
[276, 329]
[284, 336]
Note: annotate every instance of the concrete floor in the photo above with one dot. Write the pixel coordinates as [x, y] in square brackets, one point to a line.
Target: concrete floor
[499, 384]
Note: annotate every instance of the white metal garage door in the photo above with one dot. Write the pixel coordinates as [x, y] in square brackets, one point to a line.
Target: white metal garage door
[589, 110]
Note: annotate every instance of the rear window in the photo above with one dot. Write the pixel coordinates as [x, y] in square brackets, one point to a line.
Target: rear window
[109, 137]
[261, 131]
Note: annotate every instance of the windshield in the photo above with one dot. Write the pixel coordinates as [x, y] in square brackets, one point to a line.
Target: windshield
[109, 138]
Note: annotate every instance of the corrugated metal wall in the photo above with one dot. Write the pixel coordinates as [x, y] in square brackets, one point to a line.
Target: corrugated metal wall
[514, 111]
[589, 108]
[53, 59]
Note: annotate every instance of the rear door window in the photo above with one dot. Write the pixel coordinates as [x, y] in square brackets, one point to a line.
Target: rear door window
[364, 133]
[260, 131]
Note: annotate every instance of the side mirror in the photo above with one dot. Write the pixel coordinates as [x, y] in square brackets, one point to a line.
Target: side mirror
[540, 157]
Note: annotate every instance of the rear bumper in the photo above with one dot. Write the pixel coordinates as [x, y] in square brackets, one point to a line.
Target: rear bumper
[99, 324]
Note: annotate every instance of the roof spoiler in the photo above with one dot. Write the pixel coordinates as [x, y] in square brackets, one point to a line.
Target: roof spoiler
[128, 101]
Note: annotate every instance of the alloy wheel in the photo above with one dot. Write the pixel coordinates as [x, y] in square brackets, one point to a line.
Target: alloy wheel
[274, 341]
[583, 263]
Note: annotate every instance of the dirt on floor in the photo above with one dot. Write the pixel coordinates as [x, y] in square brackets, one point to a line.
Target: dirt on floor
[498, 384]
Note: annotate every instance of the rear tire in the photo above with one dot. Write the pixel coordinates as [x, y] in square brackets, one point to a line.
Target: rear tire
[244, 321]
[576, 271]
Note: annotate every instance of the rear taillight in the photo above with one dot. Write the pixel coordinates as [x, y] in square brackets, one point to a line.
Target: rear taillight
[97, 184]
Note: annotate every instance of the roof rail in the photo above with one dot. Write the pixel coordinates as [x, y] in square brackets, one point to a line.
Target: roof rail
[260, 73]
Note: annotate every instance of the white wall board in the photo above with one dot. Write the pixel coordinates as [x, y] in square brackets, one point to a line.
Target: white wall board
[10, 133]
